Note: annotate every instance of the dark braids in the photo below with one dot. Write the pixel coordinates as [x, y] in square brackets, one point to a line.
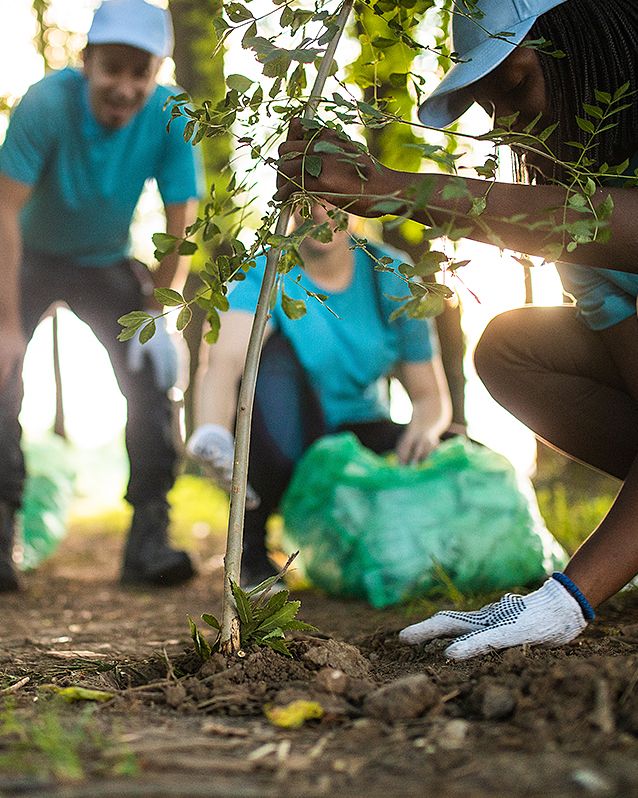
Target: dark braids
[600, 38]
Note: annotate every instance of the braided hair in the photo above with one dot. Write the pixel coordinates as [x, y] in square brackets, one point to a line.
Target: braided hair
[600, 40]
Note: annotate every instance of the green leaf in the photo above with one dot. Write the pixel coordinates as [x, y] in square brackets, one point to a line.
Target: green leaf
[134, 318]
[168, 297]
[279, 646]
[280, 618]
[585, 124]
[593, 110]
[214, 321]
[211, 621]
[429, 263]
[275, 603]
[312, 164]
[293, 308]
[243, 604]
[202, 646]
[184, 317]
[239, 83]
[287, 261]
[147, 332]
[164, 242]
[478, 206]
[237, 12]
[187, 248]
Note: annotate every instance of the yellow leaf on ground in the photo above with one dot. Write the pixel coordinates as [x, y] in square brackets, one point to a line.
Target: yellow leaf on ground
[294, 714]
[79, 693]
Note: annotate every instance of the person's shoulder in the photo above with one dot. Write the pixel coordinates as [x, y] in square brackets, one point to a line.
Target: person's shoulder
[53, 90]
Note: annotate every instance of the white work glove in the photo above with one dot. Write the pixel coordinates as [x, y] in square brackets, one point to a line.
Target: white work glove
[161, 353]
[550, 616]
[213, 447]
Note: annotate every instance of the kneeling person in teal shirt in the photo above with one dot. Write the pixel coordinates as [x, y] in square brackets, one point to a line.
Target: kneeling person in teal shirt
[79, 148]
[323, 373]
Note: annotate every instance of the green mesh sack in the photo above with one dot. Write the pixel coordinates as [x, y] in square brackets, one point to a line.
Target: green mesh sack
[47, 495]
[370, 528]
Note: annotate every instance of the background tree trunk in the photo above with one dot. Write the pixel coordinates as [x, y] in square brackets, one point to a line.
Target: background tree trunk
[202, 76]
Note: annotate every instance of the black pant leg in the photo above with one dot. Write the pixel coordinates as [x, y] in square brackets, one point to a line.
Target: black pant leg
[38, 291]
[287, 418]
[99, 296]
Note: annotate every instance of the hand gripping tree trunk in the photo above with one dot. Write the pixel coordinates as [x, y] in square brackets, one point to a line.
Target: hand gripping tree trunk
[230, 637]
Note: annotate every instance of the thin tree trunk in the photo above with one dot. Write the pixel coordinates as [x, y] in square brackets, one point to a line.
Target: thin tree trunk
[230, 637]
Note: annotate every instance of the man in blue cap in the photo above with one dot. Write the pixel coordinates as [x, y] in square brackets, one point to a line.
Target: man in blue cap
[79, 148]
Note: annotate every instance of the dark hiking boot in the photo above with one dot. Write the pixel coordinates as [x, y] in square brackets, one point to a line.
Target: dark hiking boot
[148, 557]
[8, 576]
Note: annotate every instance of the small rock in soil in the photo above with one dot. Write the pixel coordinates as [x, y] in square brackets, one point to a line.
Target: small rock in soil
[175, 695]
[332, 680]
[498, 702]
[341, 656]
[453, 734]
[404, 698]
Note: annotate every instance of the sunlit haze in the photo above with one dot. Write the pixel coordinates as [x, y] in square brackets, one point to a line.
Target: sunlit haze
[94, 408]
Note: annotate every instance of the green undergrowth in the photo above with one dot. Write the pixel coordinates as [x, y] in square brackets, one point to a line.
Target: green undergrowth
[52, 741]
[572, 518]
[195, 503]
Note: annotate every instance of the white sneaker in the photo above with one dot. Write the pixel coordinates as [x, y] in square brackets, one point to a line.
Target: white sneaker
[213, 447]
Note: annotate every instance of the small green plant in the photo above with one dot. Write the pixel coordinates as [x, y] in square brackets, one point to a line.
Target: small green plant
[264, 619]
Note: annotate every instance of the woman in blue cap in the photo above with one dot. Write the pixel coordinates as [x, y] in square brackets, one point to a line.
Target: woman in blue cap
[570, 375]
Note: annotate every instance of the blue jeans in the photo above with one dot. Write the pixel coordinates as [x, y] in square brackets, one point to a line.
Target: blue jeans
[98, 296]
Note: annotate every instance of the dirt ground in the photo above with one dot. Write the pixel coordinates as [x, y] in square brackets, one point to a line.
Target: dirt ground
[397, 721]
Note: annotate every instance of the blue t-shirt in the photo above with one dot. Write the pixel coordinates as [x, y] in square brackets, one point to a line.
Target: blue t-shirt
[346, 355]
[604, 297]
[86, 178]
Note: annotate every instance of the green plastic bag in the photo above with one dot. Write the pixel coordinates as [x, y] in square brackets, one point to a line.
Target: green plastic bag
[369, 528]
[47, 495]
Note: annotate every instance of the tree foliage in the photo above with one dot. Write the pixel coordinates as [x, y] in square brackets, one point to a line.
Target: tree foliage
[377, 92]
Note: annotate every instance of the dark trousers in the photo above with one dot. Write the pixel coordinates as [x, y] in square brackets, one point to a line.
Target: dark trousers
[98, 296]
[559, 378]
[287, 418]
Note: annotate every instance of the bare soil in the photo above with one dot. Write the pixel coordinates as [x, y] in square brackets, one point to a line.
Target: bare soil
[397, 721]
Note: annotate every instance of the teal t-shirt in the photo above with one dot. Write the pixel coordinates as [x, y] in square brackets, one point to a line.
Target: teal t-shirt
[604, 297]
[346, 353]
[86, 179]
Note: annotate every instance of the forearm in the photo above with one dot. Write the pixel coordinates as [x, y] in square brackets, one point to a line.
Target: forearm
[216, 392]
[220, 371]
[11, 248]
[432, 413]
[542, 208]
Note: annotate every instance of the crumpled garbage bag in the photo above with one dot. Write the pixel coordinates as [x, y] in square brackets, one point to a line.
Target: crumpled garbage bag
[368, 527]
[47, 496]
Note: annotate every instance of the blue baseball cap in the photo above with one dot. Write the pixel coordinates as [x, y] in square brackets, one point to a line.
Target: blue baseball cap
[135, 23]
[473, 39]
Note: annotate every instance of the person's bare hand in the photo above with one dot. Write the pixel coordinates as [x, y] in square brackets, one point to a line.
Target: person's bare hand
[331, 168]
[416, 443]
